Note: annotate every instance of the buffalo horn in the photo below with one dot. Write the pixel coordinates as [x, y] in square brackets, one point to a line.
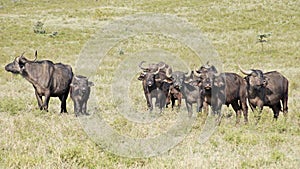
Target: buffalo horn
[22, 55]
[188, 74]
[196, 73]
[35, 56]
[169, 72]
[78, 77]
[17, 59]
[143, 68]
[157, 71]
[246, 72]
[163, 65]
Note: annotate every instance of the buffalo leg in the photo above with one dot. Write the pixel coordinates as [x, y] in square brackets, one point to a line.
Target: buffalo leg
[39, 99]
[162, 101]
[149, 102]
[276, 109]
[259, 113]
[77, 108]
[236, 108]
[199, 105]
[179, 103]
[189, 108]
[284, 103]
[46, 103]
[173, 102]
[168, 100]
[63, 106]
[245, 110]
[205, 107]
[84, 107]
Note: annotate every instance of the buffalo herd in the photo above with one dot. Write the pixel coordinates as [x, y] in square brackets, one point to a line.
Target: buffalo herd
[203, 86]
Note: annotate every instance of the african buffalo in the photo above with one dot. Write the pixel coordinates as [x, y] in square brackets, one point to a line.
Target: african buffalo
[191, 93]
[267, 89]
[224, 88]
[80, 92]
[156, 83]
[47, 78]
[174, 94]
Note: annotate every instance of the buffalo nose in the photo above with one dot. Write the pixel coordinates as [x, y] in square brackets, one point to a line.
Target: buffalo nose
[7, 67]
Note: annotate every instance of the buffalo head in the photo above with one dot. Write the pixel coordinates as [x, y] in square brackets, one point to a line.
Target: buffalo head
[149, 77]
[81, 85]
[178, 79]
[209, 76]
[155, 73]
[255, 78]
[18, 65]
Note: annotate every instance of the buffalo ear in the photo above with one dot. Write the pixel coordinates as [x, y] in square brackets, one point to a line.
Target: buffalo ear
[141, 77]
[90, 84]
[265, 81]
[168, 80]
[73, 84]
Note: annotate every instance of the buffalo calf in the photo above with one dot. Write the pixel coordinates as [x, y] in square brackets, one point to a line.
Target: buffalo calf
[174, 94]
[80, 92]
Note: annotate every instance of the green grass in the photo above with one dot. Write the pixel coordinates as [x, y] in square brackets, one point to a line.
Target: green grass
[30, 138]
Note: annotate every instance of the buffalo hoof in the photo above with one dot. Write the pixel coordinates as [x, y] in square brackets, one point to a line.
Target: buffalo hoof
[44, 108]
[86, 114]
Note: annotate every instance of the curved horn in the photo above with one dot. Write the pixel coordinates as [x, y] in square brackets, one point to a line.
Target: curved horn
[196, 73]
[246, 72]
[17, 59]
[35, 56]
[78, 77]
[22, 55]
[188, 74]
[140, 65]
[157, 71]
[162, 66]
[169, 72]
[217, 74]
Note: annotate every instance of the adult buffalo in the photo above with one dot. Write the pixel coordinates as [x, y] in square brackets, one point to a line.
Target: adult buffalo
[156, 80]
[47, 78]
[267, 89]
[224, 89]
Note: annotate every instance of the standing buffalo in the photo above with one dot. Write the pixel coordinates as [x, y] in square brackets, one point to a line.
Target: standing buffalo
[191, 93]
[47, 78]
[267, 89]
[174, 94]
[224, 88]
[80, 92]
[156, 83]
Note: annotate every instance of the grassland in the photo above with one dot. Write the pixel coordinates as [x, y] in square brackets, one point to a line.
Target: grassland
[30, 138]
